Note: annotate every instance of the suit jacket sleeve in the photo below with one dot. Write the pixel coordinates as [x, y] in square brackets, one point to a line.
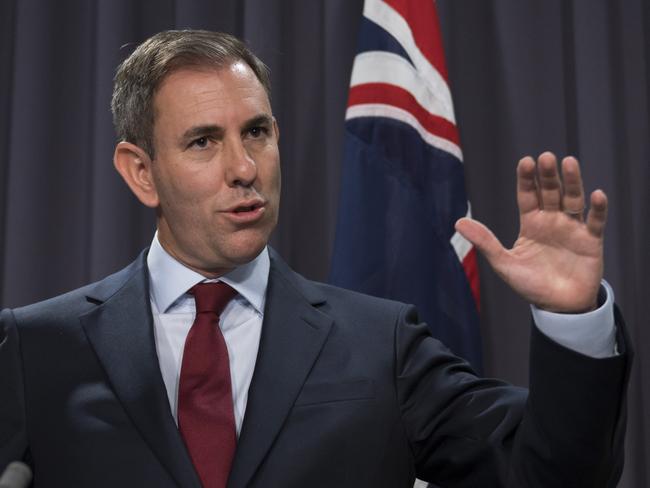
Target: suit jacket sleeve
[467, 431]
[13, 435]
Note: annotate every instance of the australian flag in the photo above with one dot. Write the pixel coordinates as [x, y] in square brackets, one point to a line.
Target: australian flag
[402, 185]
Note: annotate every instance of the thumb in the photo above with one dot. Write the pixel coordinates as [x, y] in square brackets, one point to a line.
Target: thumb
[482, 238]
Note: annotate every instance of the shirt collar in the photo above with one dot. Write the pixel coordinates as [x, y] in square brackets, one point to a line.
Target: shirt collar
[171, 279]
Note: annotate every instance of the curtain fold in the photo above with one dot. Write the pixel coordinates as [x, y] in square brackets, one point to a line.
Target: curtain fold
[572, 76]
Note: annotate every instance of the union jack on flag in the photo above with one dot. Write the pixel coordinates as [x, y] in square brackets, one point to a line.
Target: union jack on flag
[402, 184]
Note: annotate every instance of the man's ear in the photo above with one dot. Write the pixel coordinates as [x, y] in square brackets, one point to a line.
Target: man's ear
[134, 165]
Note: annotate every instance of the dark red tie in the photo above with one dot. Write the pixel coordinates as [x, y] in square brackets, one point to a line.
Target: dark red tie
[205, 405]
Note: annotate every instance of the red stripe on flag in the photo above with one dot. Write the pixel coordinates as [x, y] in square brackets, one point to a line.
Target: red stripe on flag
[398, 97]
[470, 265]
[422, 17]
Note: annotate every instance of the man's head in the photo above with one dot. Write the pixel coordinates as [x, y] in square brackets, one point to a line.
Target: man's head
[139, 76]
[199, 144]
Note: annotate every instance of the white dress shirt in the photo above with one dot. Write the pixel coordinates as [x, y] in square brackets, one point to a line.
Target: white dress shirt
[240, 322]
[592, 333]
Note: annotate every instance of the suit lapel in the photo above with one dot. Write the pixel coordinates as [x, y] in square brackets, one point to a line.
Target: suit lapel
[120, 330]
[293, 335]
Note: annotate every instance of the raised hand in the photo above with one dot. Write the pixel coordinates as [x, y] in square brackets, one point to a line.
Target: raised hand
[557, 261]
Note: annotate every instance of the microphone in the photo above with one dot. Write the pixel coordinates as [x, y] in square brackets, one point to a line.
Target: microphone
[16, 475]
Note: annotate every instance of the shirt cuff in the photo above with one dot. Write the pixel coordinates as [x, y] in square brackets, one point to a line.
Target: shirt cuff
[592, 334]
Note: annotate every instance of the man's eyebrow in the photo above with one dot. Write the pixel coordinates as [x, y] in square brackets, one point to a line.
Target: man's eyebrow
[201, 131]
[262, 119]
[216, 130]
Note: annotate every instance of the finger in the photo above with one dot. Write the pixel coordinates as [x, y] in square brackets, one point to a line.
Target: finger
[527, 196]
[482, 238]
[550, 187]
[597, 216]
[573, 200]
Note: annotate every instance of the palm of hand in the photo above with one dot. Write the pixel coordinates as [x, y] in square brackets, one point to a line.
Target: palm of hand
[557, 261]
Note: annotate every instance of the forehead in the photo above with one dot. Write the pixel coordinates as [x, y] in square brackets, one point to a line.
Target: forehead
[204, 92]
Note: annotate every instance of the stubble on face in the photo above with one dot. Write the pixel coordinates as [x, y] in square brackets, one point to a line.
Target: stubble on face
[217, 167]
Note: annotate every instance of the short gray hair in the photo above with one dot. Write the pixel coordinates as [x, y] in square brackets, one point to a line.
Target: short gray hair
[139, 76]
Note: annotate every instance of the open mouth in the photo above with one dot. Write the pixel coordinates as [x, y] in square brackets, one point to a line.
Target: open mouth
[248, 212]
[247, 208]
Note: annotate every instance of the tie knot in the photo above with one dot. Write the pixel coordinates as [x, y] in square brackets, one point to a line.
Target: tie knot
[212, 297]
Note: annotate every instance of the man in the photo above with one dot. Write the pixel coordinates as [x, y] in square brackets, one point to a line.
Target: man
[328, 388]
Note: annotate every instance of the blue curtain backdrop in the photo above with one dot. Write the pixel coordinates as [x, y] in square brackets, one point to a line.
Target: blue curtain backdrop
[572, 76]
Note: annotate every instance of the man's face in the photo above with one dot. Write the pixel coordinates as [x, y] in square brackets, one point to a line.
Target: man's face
[216, 168]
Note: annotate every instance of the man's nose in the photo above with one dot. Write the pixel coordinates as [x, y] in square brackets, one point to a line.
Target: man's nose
[241, 169]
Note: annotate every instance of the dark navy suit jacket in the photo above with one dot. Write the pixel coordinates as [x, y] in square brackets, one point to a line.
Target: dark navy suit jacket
[348, 391]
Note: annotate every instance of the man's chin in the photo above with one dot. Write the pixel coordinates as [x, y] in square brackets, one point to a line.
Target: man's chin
[220, 258]
[242, 247]
[245, 255]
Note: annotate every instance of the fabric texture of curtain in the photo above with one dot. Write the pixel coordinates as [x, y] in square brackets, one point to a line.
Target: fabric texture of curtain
[569, 76]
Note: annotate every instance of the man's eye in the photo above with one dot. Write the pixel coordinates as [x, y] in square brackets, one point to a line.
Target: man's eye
[201, 142]
[256, 132]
